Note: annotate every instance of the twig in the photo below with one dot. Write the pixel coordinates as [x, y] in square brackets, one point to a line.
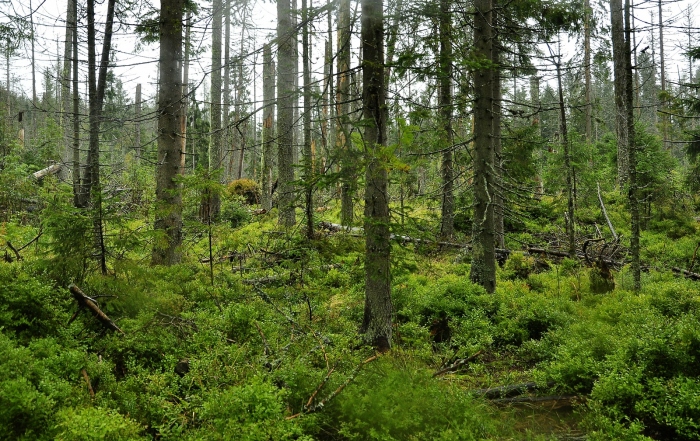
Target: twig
[14, 250]
[458, 364]
[322, 403]
[89, 385]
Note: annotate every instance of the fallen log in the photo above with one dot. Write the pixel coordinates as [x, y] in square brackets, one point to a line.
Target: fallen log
[50, 170]
[685, 273]
[85, 302]
[272, 279]
[569, 399]
[509, 391]
[457, 365]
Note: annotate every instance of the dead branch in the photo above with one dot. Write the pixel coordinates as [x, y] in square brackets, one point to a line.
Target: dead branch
[511, 390]
[605, 213]
[686, 273]
[457, 365]
[320, 386]
[85, 302]
[322, 403]
[569, 399]
[89, 384]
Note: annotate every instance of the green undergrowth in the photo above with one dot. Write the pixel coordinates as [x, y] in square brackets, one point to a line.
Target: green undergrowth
[239, 347]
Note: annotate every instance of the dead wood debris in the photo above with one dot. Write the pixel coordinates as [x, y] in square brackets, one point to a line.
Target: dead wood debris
[85, 302]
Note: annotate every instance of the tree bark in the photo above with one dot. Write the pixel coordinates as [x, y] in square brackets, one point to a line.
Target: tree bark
[137, 123]
[268, 127]
[376, 325]
[170, 138]
[215, 139]
[570, 218]
[66, 84]
[76, 107]
[618, 44]
[286, 102]
[483, 269]
[445, 106]
[499, 201]
[308, 154]
[343, 141]
[587, 69]
[632, 151]
[227, 134]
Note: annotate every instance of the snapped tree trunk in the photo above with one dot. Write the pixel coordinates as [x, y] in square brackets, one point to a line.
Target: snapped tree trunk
[376, 324]
[168, 203]
[483, 269]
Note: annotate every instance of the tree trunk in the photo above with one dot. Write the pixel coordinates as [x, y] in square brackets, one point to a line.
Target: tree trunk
[343, 143]
[186, 87]
[308, 154]
[618, 44]
[170, 140]
[76, 107]
[137, 123]
[216, 138]
[286, 102]
[445, 106]
[483, 269]
[570, 219]
[66, 85]
[633, 190]
[376, 325]
[268, 118]
[227, 134]
[587, 69]
[662, 65]
[498, 200]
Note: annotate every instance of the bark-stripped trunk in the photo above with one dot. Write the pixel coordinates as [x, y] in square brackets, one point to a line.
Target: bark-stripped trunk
[483, 269]
[168, 203]
[268, 127]
[286, 102]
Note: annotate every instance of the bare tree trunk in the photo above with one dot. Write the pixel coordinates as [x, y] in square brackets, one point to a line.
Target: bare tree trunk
[66, 85]
[498, 199]
[76, 109]
[186, 87]
[286, 102]
[376, 324]
[227, 134]
[239, 103]
[633, 190]
[587, 69]
[268, 127]
[137, 123]
[215, 139]
[618, 43]
[570, 219]
[483, 270]
[308, 154]
[343, 142]
[170, 140]
[664, 117]
[445, 106]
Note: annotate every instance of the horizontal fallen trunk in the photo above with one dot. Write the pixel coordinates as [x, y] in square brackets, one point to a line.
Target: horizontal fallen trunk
[276, 278]
[50, 170]
[85, 302]
[566, 399]
[511, 390]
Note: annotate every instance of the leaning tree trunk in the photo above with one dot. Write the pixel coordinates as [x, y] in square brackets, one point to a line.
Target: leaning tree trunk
[286, 102]
[170, 138]
[483, 269]
[376, 325]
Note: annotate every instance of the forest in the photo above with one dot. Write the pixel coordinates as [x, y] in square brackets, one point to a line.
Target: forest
[350, 220]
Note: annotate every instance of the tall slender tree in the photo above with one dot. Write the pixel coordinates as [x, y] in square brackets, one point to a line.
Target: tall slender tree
[483, 269]
[215, 138]
[343, 141]
[376, 324]
[286, 103]
[445, 106]
[268, 127]
[170, 137]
